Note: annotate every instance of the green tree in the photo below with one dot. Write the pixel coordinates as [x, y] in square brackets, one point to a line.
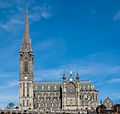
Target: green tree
[10, 106]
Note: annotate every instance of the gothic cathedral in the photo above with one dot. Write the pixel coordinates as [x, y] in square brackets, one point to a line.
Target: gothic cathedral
[70, 94]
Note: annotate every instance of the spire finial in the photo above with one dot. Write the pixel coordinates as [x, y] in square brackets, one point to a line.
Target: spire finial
[77, 76]
[70, 72]
[71, 78]
[26, 10]
[64, 75]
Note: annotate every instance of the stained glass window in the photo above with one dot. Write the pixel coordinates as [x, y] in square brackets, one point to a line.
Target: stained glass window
[71, 87]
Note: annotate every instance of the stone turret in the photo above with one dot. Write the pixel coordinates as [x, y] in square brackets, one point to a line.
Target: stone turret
[77, 77]
[64, 76]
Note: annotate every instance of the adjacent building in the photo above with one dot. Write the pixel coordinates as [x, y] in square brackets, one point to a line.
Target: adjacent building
[108, 103]
[69, 94]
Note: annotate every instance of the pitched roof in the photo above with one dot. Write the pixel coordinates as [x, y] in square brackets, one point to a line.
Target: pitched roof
[47, 86]
[55, 86]
[107, 99]
[87, 85]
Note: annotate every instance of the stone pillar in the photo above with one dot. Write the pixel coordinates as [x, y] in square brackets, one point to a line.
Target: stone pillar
[78, 95]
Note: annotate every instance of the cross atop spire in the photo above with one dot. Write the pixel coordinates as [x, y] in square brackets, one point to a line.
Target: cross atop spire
[26, 42]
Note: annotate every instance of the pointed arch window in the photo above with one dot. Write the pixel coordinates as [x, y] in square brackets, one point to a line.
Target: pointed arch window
[26, 45]
[71, 87]
[23, 89]
[27, 89]
[26, 66]
[23, 102]
[27, 102]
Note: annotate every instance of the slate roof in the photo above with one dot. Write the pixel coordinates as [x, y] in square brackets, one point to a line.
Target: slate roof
[87, 85]
[55, 86]
[47, 86]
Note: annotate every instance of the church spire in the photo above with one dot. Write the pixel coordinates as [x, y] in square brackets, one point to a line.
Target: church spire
[26, 69]
[26, 42]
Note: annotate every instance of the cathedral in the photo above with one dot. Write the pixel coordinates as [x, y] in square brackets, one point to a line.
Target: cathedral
[69, 94]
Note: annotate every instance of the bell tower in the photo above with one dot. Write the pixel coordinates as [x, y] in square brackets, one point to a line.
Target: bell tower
[26, 70]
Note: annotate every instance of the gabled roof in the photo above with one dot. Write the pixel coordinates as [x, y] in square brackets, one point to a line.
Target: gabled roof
[107, 99]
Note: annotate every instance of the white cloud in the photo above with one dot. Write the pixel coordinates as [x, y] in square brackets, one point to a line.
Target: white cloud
[117, 16]
[93, 66]
[5, 98]
[8, 88]
[114, 80]
[49, 43]
[8, 85]
[48, 75]
[8, 74]
[15, 16]
[40, 12]
[11, 24]
[5, 4]
[96, 72]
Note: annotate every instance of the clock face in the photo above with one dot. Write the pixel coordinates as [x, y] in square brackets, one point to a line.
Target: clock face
[71, 87]
[25, 77]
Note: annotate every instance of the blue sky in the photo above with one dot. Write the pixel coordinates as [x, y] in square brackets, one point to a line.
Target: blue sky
[77, 35]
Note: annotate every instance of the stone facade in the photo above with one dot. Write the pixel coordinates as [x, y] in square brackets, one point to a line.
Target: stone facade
[70, 94]
[66, 95]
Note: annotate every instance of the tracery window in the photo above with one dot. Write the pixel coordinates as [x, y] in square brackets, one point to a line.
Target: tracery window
[71, 87]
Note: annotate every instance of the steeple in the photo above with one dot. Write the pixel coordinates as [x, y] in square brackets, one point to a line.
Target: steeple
[26, 41]
[26, 69]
